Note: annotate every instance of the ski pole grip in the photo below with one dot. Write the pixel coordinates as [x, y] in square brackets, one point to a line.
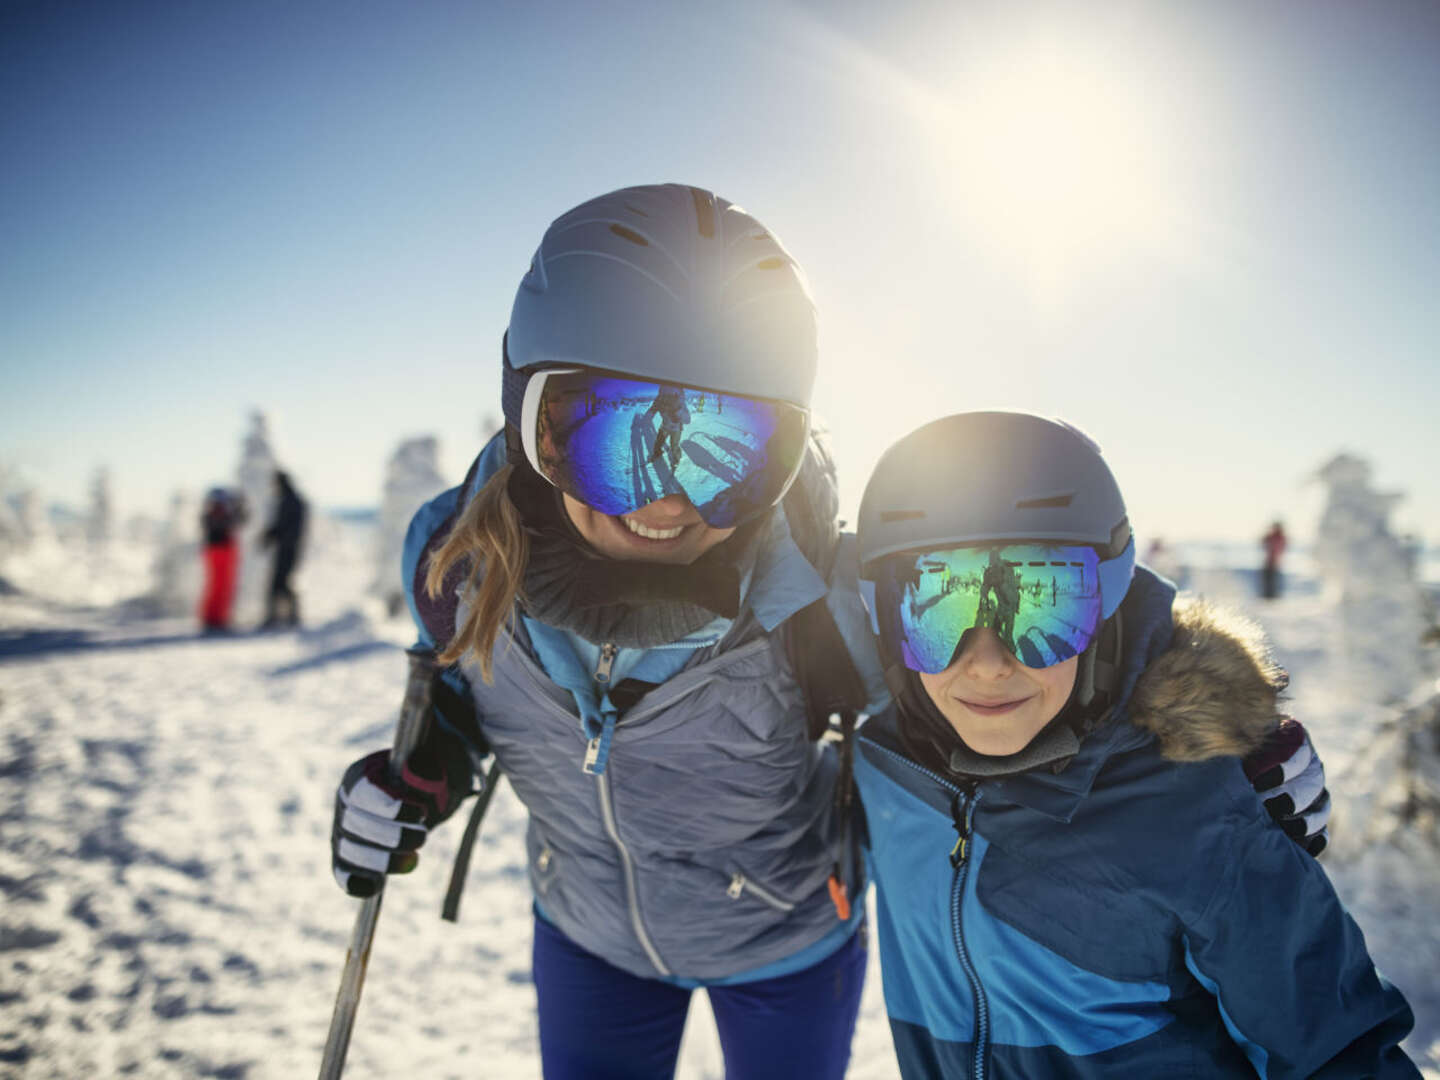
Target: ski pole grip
[414, 719]
[410, 728]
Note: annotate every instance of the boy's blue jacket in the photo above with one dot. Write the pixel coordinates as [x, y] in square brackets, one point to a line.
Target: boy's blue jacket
[1135, 914]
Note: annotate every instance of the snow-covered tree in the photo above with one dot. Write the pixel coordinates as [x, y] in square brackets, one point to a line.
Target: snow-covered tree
[35, 521]
[100, 516]
[255, 478]
[12, 529]
[1372, 572]
[412, 477]
[176, 571]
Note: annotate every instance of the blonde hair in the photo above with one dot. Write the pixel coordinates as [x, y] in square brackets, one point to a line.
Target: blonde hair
[489, 537]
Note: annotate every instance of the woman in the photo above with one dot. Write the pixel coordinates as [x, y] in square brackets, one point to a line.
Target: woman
[624, 583]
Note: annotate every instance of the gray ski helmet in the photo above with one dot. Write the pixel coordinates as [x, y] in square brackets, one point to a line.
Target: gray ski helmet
[979, 477]
[665, 282]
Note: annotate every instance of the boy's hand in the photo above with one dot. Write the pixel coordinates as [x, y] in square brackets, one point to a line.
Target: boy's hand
[1290, 778]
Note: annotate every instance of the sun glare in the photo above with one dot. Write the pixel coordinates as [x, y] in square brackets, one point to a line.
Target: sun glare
[1063, 164]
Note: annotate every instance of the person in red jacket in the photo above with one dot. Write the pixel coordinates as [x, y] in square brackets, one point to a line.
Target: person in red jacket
[1274, 544]
[220, 521]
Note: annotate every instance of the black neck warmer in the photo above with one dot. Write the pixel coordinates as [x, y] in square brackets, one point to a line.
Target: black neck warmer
[571, 586]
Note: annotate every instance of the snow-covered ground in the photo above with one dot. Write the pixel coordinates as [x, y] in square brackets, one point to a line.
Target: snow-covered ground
[166, 905]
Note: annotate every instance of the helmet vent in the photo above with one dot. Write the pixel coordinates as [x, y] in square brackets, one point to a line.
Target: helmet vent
[1053, 502]
[629, 234]
[901, 515]
[771, 264]
[704, 211]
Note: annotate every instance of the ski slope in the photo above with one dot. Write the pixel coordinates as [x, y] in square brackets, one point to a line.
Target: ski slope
[166, 905]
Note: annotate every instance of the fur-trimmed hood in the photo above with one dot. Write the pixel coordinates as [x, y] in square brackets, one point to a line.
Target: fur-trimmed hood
[1215, 690]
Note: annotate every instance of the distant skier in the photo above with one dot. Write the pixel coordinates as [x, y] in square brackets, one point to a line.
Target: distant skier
[674, 415]
[284, 532]
[1273, 543]
[220, 518]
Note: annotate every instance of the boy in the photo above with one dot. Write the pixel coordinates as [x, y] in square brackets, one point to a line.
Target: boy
[1074, 876]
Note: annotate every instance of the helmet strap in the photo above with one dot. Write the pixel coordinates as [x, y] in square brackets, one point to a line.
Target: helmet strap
[1099, 674]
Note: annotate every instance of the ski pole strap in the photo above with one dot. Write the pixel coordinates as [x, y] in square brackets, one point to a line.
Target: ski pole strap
[845, 881]
[450, 910]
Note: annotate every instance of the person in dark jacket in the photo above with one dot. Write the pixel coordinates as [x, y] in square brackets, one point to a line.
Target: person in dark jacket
[284, 533]
[220, 519]
[1074, 875]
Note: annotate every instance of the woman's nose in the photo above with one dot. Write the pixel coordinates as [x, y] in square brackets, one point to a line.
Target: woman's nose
[674, 506]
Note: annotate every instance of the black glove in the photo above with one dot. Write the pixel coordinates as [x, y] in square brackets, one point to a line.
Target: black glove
[1290, 778]
[381, 821]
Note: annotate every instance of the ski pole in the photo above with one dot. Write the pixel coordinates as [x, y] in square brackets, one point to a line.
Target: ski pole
[409, 729]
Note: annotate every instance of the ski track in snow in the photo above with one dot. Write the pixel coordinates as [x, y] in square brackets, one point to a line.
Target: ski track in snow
[166, 904]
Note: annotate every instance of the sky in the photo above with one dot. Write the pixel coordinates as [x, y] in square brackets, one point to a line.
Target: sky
[1208, 233]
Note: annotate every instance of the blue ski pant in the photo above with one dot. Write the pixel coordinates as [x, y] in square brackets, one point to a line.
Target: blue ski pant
[600, 1023]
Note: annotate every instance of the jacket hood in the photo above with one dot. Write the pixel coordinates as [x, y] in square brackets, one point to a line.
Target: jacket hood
[1215, 691]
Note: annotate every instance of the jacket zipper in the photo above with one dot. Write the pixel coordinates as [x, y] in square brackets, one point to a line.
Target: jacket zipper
[608, 652]
[962, 813]
[739, 883]
[962, 810]
[607, 815]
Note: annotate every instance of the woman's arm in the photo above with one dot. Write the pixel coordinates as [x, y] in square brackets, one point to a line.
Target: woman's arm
[1295, 984]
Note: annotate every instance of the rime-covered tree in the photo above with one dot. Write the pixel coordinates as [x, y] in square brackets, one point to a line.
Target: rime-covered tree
[175, 573]
[100, 516]
[1369, 568]
[412, 476]
[255, 479]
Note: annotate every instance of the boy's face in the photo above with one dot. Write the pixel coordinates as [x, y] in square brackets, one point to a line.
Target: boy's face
[994, 702]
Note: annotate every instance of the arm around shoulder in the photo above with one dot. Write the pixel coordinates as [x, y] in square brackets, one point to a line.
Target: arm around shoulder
[1296, 987]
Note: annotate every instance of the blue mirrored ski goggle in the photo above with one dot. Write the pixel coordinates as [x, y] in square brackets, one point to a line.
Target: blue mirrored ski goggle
[617, 444]
[1044, 602]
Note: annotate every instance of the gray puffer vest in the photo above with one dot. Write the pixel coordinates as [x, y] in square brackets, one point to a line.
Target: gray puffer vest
[704, 849]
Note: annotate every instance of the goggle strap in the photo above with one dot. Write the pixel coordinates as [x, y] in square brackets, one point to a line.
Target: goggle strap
[512, 393]
[1115, 575]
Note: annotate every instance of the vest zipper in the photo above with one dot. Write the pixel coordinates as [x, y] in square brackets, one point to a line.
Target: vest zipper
[962, 812]
[608, 652]
[607, 815]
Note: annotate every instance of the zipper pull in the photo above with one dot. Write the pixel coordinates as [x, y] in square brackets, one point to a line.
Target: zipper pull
[605, 663]
[592, 754]
[962, 813]
[737, 886]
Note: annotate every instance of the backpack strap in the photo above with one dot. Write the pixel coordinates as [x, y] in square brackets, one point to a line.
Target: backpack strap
[831, 684]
